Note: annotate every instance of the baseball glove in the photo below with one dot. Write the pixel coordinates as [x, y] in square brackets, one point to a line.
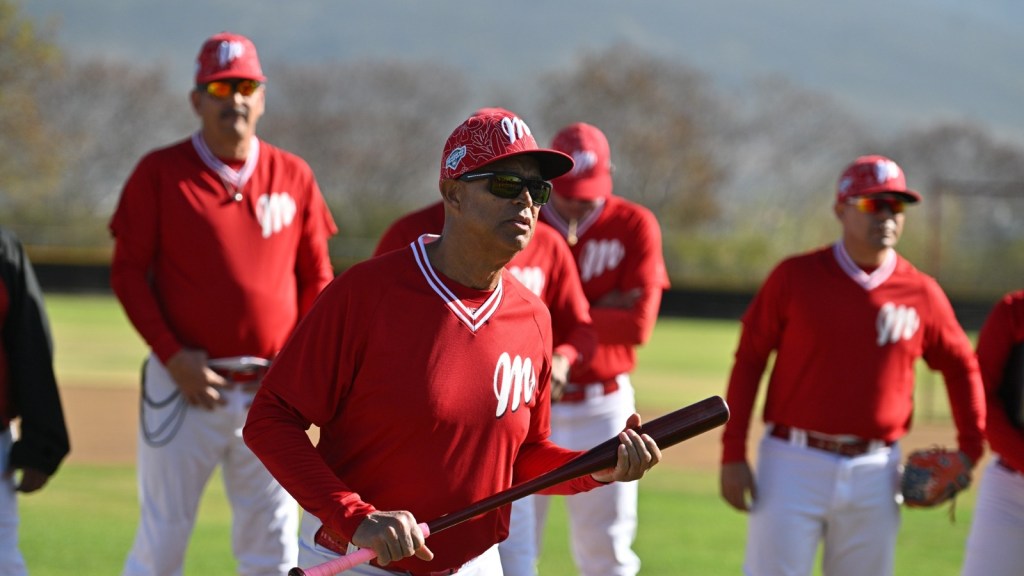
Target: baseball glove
[933, 476]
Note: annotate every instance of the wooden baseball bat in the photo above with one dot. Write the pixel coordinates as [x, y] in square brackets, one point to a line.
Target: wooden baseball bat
[668, 430]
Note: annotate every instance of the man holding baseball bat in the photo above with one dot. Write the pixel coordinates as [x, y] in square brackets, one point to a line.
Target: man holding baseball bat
[546, 267]
[428, 371]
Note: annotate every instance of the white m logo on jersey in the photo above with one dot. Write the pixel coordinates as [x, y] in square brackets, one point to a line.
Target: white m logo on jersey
[515, 381]
[275, 212]
[895, 323]
[600, 256]
[531, 276]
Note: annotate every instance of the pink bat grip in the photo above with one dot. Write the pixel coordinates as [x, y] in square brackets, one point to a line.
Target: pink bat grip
[342, 563]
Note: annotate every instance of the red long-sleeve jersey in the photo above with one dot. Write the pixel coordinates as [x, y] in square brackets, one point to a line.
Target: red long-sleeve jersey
[429, 396]
[618, 250]
[1003, 329]
[200, 265]
[845, 353]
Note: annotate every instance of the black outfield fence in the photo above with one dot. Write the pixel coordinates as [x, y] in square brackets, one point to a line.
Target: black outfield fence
[681, 302]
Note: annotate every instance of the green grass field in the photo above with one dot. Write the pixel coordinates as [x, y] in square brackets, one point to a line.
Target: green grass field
[84, 521]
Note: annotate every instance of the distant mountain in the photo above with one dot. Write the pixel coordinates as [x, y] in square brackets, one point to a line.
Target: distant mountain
[896, 64]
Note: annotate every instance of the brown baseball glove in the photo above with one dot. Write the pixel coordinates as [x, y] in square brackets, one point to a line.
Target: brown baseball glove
[933, 476]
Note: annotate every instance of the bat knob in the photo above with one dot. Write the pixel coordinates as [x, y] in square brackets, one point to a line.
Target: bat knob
[296, 572]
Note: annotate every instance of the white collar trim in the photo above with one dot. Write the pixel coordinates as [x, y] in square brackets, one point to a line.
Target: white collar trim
[858, 275]
[474, 319]
[233, 180]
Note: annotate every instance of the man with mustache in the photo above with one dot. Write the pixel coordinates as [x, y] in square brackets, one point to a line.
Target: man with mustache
[220, 248]
[847, 324]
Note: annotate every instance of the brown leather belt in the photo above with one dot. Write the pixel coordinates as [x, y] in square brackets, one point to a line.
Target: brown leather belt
[579, 392]
[848, 448]
[339, 545]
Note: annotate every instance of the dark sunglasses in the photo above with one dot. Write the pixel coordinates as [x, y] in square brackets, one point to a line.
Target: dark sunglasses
[223, 89]
[874, 205]
[507, 185]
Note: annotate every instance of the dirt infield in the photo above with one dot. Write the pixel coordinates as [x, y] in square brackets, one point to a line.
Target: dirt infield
[103, 424]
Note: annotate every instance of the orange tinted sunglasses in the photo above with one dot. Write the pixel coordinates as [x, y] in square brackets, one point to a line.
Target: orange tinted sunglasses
[223, 89]
[874, 205]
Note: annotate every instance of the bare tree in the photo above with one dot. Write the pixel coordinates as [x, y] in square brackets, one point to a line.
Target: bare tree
[972, 216]
[28, 165]
[784, 147]
[108, 115]
[738, 179]
[373, 133]
[658, 117]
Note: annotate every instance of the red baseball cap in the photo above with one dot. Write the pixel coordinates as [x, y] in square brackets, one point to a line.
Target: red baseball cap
[874, 175]
[228, 55]
[591, 175]
[492, 134]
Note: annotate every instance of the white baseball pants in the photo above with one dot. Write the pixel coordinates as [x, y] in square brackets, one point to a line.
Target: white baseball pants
[11, 561]
[602, 522]
[519, 551]
[806, 496]
[172, 477]
[995, 546]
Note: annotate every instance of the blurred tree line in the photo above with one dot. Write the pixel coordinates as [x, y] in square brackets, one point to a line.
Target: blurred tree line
[739, 178]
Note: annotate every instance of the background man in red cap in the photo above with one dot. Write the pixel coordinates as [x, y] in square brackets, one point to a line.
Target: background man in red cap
[220, 247]
[617, 247]
[847, 324]
[427, 370]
